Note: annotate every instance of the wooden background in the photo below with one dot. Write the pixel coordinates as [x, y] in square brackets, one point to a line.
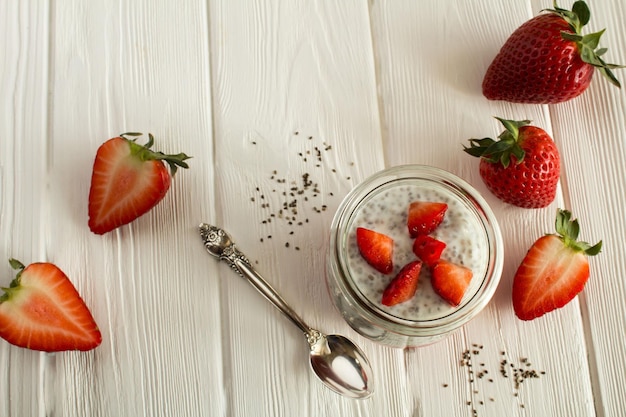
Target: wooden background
[248, 88]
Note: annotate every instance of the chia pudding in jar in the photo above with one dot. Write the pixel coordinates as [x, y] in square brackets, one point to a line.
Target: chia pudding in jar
[469, 230]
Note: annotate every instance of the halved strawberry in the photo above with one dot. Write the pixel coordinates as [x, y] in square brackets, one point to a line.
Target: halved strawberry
[428, 249]
[450, 281]
[403, 287]
[41, 310]
[425, 216]
[554, 270]
[376, 248]
[128, 180]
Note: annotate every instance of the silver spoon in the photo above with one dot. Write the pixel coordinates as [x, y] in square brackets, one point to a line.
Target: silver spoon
[338, 362]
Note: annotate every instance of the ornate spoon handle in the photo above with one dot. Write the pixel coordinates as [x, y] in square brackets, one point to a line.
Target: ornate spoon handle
[219, 244]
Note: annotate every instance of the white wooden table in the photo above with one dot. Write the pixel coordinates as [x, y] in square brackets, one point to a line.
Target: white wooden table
[249, 88]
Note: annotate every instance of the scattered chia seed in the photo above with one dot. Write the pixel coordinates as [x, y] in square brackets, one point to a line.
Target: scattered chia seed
[296, 192]
[518, 373]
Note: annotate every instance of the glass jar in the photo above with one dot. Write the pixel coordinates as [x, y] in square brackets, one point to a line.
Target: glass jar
[380, 203]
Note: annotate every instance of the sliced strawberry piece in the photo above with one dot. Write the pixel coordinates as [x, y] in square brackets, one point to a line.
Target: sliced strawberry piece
[41, 310]
[425, 216]
[403, 287]
[128, 180]
[554, 270]
[376, 248]
[450, 281]
[428, 249]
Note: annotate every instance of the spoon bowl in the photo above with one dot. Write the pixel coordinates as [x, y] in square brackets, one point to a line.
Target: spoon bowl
[337, 361]
[342, 366]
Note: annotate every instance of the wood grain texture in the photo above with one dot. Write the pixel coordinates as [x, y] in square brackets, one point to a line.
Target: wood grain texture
[294, 95]
[590, 132]
[23, 109]
[272, 98]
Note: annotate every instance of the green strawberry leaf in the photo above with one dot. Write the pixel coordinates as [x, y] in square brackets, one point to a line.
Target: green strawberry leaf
[601, 51]
[144, 153]
[581, 10]
[577, 18]
[592, 40]
[568, 230]
[500, 151]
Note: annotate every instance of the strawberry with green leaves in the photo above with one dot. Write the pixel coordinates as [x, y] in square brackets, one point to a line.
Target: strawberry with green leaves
[548, 59]
[554, 270]
[128, 180]
[41, 310]
[522, 167]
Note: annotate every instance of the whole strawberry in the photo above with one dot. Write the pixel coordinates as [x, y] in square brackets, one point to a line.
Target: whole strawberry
[554, 270]
[547, 59]
[128, 180]
[522, 168]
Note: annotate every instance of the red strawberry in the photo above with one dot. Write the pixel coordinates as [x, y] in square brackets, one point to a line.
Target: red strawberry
[376, 248]
[425, 216]
[128, 180]
[554, 270]
[450, 281]
[547, 59]
[522, 168]
[41, 310]
[428, 249]
[402, 288]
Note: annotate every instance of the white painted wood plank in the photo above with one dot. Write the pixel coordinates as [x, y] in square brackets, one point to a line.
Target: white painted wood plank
[592, 129]
[23, 151]
[140, 66]
[289, 77]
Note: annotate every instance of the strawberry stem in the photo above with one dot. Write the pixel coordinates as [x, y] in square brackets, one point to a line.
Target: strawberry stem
[577, 18]
[144, 153]
[500, 151]
[18, 266]
[568, 230]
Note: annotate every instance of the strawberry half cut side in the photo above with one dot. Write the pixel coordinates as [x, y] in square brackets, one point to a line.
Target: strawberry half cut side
[41, 310]
[425, 216]
[554, 270]
[376, 248]
[128, 180]
[403, 287]
[450, 281]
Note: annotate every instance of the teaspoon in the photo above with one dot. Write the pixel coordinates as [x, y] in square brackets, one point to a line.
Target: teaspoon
[337, 361]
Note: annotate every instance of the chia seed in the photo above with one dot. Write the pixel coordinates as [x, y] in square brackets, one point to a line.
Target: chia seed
[386, 212]
[296, 192]
[518, 373]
